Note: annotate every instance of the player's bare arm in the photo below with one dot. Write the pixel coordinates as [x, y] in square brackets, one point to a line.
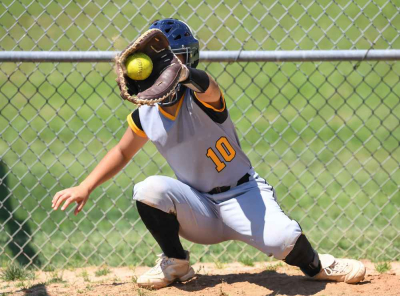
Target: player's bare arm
[205, 87]
[212, 95]
[109, 166]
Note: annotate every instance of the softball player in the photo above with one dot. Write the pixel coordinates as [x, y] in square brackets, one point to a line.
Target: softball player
[217, 195]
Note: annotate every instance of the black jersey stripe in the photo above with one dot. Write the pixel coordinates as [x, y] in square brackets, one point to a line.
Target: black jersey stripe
[135, 124]
[136, 119]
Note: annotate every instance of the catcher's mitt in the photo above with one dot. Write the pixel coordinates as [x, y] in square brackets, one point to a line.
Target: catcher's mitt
[163, 79]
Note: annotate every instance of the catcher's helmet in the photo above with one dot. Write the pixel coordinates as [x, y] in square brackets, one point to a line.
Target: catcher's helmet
[181, 39]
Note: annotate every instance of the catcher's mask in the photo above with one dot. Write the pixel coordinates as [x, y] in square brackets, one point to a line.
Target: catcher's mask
[180, 38]
[182, 42]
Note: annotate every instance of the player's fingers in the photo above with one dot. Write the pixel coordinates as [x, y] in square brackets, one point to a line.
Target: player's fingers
[76, 209]
[56, 197]
[79, 207]
[60, 199]
[67, 203]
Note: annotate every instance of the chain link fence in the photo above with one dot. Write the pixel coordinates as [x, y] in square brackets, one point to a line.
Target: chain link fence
[325, 134]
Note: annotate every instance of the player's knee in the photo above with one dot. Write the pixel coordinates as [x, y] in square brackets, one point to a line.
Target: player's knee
[283, 238]
[155, 191]
[304, 256]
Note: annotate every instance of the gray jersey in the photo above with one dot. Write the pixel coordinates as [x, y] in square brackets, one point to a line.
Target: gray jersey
[199, 143]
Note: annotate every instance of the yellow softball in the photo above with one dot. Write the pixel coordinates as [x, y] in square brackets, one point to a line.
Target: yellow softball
[138, 66]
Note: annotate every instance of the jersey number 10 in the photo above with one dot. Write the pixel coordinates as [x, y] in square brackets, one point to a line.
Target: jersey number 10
[225, 149]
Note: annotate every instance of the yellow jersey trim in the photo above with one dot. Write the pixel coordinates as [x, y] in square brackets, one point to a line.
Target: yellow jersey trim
[133, 126]
[169, 116]
[211, 107]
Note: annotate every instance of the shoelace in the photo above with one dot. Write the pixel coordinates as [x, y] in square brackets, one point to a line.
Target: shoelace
[162, 261]
[335, 268]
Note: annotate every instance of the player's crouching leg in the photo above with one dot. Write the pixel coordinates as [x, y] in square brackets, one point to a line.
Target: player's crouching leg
[324, 266]
[155, 205]
[157, 192]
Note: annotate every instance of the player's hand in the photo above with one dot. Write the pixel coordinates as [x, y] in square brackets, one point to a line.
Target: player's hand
[184, 73]
[78, 194]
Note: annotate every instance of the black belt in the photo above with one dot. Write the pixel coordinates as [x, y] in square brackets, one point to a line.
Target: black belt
[221, 189]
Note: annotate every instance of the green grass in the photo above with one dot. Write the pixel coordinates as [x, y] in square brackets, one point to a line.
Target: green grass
[24, 285]
[245, 260]
[55, 278]
[219, 265]
[134, 279]
[14, 272]
[85, 275]
[142, 292]
[325, 135]
[383, 267]
[104, 270]
[273, 267]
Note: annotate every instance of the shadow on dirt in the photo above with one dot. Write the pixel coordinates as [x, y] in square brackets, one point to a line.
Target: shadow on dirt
[278, 283]
[36, 290]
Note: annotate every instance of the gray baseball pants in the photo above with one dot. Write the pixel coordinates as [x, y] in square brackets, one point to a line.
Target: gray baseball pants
[248, 213]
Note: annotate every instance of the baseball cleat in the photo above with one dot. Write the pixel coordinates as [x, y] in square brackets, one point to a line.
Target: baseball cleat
[166, 271]
[340, 270]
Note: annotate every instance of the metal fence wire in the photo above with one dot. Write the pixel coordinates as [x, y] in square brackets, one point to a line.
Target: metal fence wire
[325, 134]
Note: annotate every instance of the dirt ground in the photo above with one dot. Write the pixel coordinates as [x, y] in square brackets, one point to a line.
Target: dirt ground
[211, 279]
